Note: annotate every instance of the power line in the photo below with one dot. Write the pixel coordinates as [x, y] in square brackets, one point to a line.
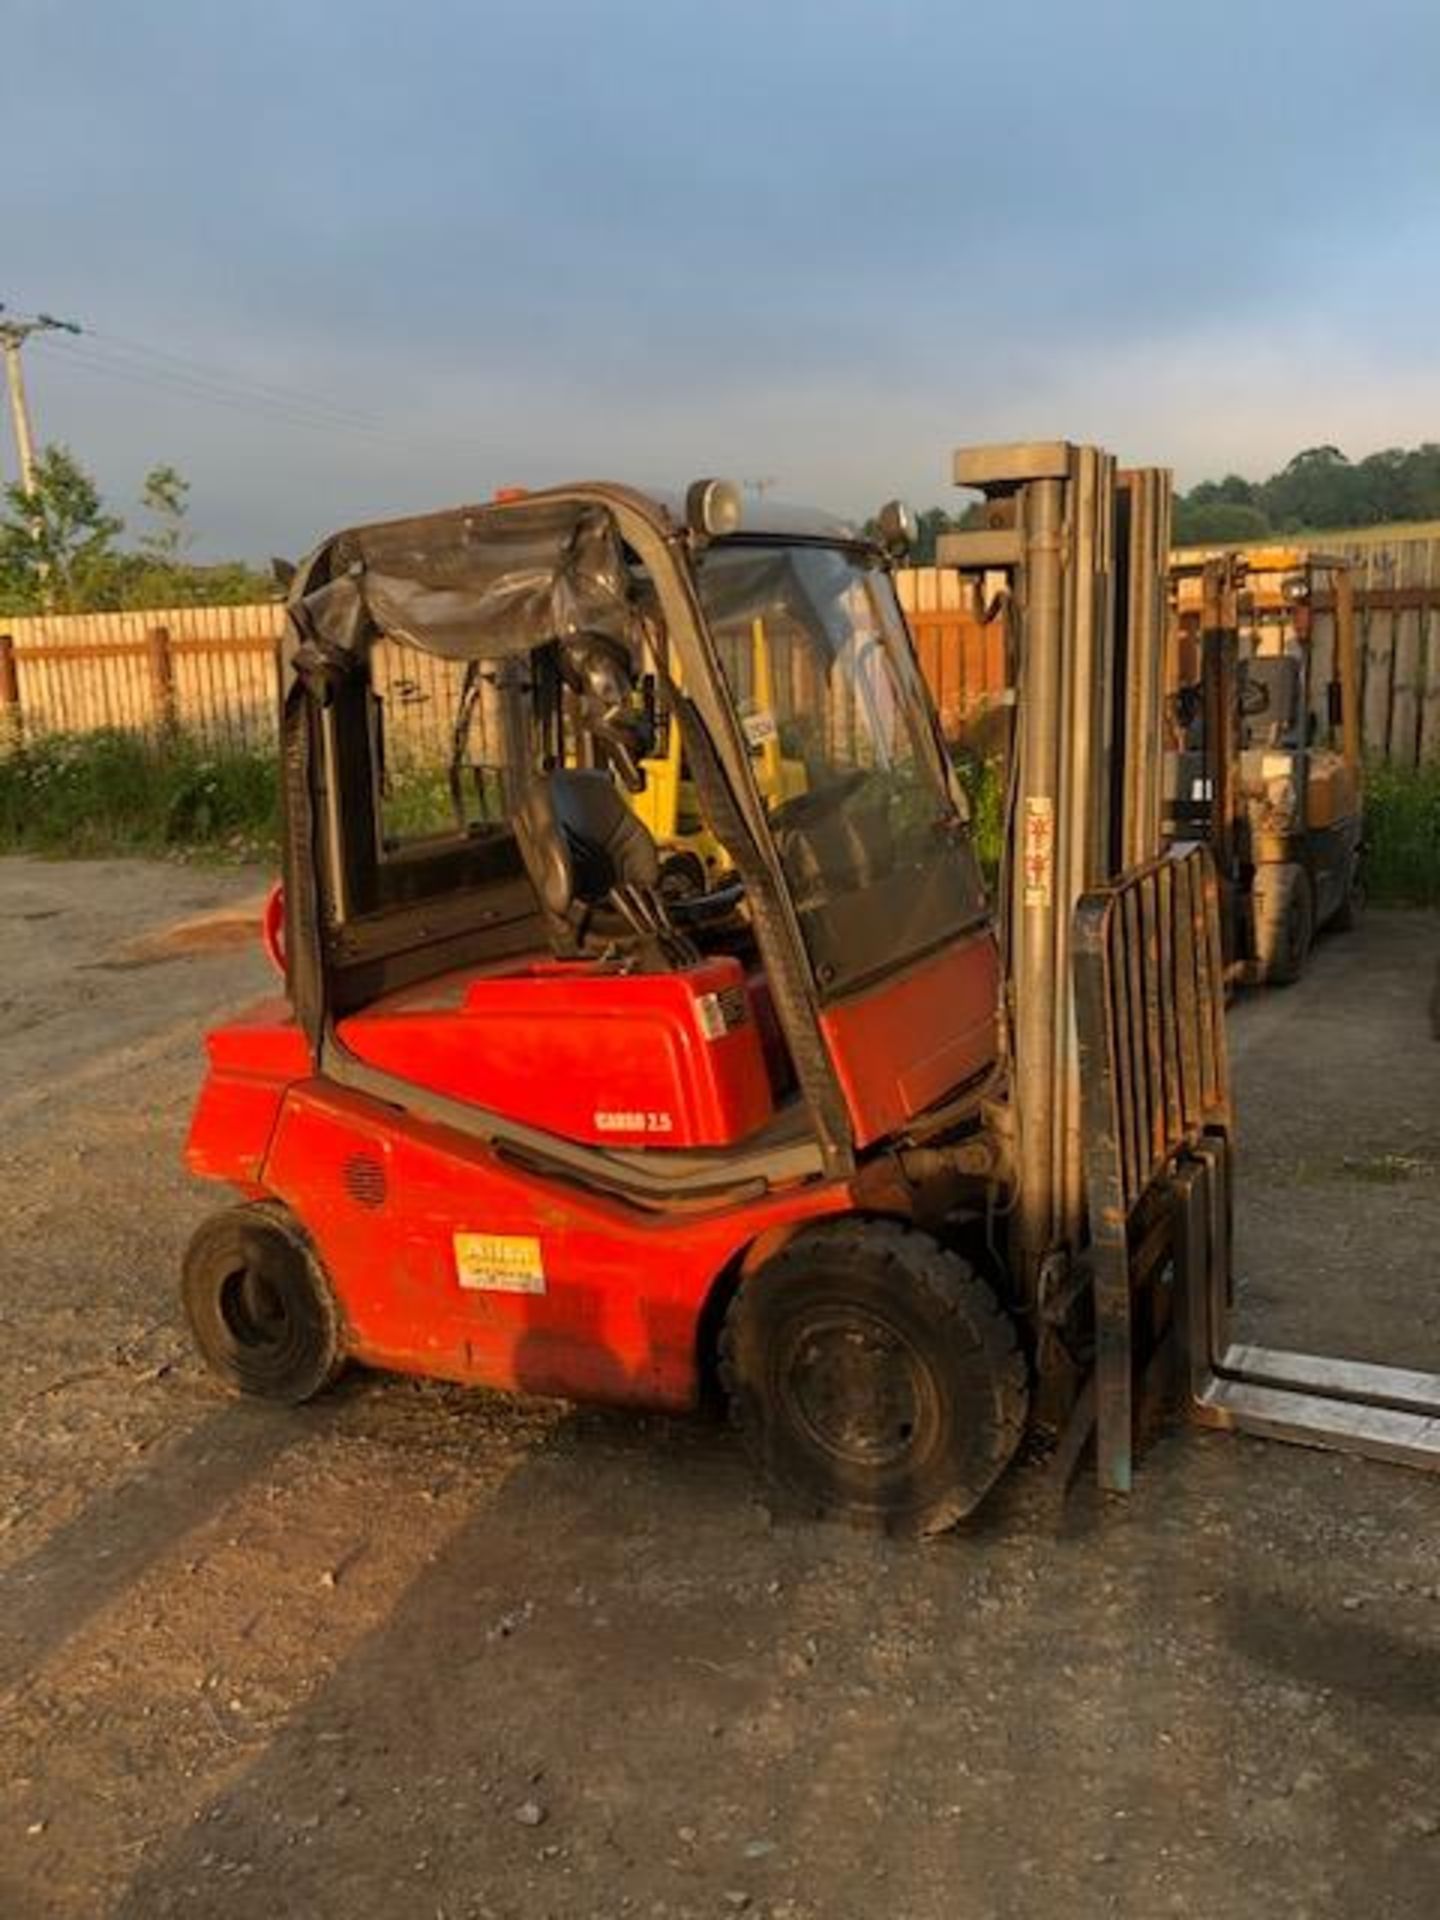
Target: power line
[157, 370]
[184, 386]
[211, 376]
[215, 375]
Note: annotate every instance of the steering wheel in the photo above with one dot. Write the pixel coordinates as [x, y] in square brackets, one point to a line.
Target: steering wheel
[689, 895]
[808, 809]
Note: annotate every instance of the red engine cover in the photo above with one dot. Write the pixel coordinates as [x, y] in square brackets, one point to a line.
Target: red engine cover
[253, 1059]
[607, 1058]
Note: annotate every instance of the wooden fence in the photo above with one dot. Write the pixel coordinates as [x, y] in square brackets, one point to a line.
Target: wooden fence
[1396, 572]
[962, 655]
[209, 672]
[1397, 608]
[206, 671]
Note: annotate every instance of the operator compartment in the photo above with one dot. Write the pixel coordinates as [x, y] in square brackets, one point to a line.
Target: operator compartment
[584, 1049]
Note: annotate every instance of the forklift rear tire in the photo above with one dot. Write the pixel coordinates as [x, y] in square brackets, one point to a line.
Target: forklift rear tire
[259, 1306]
[1284, 905]
[873, 1375]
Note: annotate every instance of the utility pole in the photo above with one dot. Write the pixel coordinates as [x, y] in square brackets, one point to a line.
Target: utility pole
[19, 412]
[15, 330]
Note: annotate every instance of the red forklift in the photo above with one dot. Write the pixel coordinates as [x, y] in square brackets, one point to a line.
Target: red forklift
[840, 1141]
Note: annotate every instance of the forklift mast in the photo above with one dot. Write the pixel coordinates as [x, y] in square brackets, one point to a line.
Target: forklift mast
[1111, 995]
[1122, 1109]
[1078, 550]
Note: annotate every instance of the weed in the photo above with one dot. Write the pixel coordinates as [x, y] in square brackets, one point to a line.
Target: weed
[111, 793]
[1402, 834]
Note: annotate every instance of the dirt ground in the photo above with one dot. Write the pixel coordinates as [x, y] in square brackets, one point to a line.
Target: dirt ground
[417, 1651]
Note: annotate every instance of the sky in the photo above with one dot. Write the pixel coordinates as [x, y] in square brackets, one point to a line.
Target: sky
[337, 260]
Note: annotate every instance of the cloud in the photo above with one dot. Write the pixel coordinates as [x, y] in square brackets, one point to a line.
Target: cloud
[824, 241]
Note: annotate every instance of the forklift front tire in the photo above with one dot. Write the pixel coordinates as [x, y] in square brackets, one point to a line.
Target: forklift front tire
[1284, 906]
[1351, 911]
[259, 1306]
[875, 1376]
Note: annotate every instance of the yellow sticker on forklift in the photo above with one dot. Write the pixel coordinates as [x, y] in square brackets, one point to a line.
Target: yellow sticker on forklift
[499, 1263]
[1038, 850]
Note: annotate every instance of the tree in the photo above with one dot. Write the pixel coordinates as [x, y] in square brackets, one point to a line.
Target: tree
[930, 525]
[166, 498]
[1217, 523]
[57, 542]
[157, 575]
[1232, 491]
[1317, 489]
[58, 550]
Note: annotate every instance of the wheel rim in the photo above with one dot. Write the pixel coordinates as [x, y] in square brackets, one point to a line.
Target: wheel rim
[253, 1308]
[857, 1389]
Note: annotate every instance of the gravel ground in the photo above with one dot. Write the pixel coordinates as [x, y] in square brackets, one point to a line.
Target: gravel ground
[418, 1651]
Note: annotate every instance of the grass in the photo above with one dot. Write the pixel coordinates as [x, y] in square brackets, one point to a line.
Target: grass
[1402, 835]
[1402, 828]
[102, 794]
[113, 793]
[116, 793]
[984, 783]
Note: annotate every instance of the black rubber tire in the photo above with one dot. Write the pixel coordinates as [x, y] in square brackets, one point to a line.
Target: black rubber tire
[259, 1306]
[1284, 905]
[873, 1375]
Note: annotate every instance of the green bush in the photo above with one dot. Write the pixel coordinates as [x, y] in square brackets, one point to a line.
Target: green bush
[95, 794]
[983, 779]
[107, 793]
[1402, 835]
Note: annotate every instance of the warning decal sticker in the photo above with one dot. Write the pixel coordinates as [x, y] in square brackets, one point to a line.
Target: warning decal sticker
[1038, 850]
[499, 1263]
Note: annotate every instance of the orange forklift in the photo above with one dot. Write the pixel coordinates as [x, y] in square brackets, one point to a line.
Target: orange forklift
[891, 1169]
[1263, 760]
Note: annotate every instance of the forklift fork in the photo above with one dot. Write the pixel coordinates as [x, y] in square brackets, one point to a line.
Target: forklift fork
[1149, 999]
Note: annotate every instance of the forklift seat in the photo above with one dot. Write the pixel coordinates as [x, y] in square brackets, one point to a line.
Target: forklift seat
[584, 848]
[1271, 693]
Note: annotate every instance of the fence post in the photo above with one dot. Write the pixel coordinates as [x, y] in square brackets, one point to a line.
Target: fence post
[162, 678]
[10, 725]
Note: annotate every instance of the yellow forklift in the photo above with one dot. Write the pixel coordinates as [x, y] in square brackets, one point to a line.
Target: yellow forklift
[692, 860]
[1263, 759]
